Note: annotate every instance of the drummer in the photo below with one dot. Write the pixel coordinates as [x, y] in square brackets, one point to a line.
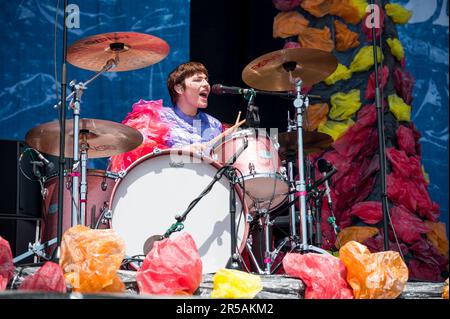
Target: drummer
[184, 125]
[189, 90]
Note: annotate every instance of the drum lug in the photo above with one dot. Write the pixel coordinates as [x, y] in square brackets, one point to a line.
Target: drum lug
[283, 172]
[156, 151]
[108, 214]
[121, 174]
[251, 168]
[104, 184]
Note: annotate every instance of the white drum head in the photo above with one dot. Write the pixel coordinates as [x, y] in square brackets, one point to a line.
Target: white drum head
[158, 187]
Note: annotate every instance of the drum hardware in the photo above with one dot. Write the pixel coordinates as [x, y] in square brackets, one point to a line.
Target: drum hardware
[229, 171]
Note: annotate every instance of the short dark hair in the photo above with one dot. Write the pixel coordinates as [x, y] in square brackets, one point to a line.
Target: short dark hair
[180, 73]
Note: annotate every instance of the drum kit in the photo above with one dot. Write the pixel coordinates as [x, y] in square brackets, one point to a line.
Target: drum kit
[143, 200]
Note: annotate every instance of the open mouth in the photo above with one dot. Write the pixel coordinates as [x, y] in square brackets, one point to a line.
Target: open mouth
[204, 95]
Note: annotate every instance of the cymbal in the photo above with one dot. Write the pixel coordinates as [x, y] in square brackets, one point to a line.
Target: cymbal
[134, 51]
[270, 72]
[104, 138]
[312, 142]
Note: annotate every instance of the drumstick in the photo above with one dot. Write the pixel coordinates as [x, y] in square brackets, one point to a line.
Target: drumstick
[237, 120]
[225, 133]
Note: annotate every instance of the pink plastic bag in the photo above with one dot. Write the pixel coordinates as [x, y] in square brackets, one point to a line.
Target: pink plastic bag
[49, 277]
[6, 264]
[172, 267]
[324, 275]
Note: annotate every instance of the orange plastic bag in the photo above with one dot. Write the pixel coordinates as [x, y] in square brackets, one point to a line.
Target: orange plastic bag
[323, 275]
[438, 236]
[288, 24]
[355, 233]
[445, 291]
[315, 115]
[348, 10]
[172, 267]
[90, 259]
[230, 283]
[345, 39]
[381, 275]
[314, 38]
[317, 8]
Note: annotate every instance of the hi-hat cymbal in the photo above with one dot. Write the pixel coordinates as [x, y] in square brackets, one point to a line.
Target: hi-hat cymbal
[270, 72]
[312, 142]
[104, 138]
[134, 51]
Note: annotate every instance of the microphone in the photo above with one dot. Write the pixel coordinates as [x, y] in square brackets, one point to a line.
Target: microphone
[49, 164]
[220, 89]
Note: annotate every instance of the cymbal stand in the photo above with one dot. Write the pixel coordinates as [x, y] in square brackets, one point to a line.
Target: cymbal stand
[79, 196]
[301, 103]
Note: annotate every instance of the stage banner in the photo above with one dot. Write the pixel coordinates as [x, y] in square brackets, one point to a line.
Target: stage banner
[31, 56]
[425, 40]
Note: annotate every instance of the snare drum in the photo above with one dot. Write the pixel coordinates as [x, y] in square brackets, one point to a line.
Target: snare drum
[99, 188]
[265, 182]
[161, 185]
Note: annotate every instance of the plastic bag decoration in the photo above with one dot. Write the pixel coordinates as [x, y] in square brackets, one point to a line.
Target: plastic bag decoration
[314, 38]
[383, 76]
[288, 24]
[317, 8]
[399, 108]
[438, 236]
[404, 84]
[349, 10]
[344, 105]
[341, 73]
[355, 233]
[335, 129]
[405, 140]
[146, 119]
[6, 264]
[373, 276]
[49, 278]
[369, 212]
[445, 290]
[396, 48]
[315, 115]
[398, 13]
[323, 275]
[345, 39]
[409, 227]
[90, 259]
[235, 284]
[286, 5]
[364, 59]
[172, 267]
[361, 5]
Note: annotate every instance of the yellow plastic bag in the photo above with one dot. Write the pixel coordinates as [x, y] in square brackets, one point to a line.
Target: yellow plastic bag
[289, 23]
[90, 259]
[346, 9]
[381, 275]
[335, 129]
[355, 233]
[361, 6]
[364, 59]
[399, 108]
[438, 236]
[396, 48]
[344, 105]
[230, 283]
[341, 73]
[398, 13]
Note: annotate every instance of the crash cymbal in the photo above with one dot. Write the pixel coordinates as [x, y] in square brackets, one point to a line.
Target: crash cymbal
[312, 142]
[104, 138]
[133, 50]
[270, 72]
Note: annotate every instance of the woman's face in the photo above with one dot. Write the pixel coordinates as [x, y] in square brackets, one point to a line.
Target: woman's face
[196, 90]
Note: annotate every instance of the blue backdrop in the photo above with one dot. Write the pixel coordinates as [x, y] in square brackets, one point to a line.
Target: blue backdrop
[425, 40]
[28, 87]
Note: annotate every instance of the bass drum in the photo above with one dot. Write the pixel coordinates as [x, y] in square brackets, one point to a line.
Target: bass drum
[161, 185]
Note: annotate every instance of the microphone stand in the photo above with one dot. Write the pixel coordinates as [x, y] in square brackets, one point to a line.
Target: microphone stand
[380, 128]
[252, 116]
[229, 171]
[62, 124]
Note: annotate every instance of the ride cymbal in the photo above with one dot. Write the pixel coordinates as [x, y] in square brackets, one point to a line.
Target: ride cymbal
[277, 71]
[132, 50]
[104, 138]
[312, 142]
